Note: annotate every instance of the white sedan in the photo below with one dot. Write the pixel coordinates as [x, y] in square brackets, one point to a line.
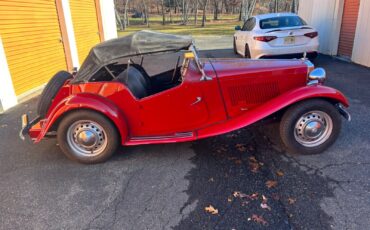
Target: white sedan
[278, 35]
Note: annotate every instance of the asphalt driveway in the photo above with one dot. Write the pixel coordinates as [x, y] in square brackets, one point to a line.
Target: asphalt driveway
[169, 186]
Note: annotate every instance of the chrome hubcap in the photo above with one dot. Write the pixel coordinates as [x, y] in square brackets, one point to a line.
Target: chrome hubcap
[86, 138]
[313, 128]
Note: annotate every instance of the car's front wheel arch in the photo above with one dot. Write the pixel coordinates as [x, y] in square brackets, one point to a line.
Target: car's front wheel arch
[296, 132]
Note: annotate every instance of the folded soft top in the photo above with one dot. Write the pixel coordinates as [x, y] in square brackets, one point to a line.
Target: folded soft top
[139, 43]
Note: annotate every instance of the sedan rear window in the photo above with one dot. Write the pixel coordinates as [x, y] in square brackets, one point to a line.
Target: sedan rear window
[280, 22]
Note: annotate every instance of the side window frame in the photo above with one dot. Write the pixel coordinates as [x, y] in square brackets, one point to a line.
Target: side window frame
[249, 24]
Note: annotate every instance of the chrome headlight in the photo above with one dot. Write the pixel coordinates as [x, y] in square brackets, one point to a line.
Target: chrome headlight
[317, 75]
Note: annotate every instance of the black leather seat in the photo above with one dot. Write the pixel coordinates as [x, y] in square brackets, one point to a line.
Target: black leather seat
[138, 84]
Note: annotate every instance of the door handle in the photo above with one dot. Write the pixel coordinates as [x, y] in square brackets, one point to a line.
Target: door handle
[199, 99]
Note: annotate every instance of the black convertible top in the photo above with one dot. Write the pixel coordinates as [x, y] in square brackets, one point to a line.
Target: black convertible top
[139, 43]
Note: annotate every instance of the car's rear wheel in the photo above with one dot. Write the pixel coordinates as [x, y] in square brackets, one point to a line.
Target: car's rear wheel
[87, 137]
[50, 91]
[247, 53]
[310, 127]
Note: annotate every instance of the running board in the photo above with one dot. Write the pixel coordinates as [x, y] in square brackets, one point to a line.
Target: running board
[177, 137]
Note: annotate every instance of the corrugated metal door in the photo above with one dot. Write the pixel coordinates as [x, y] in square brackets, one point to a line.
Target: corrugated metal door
[348, 28]
[85, 25]
[32, 41]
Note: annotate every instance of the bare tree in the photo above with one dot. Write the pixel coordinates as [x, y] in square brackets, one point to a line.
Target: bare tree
[125, 20]
[185, 11]
[294, 8]
[215, 9]
[205, 3]
[276, 8]
[146, 13]
[163, 13]
[196, 12]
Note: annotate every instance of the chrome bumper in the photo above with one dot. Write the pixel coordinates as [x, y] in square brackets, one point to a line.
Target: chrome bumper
[344, 112]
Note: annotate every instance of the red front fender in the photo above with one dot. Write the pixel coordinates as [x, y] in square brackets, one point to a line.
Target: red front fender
[274, 105]
[85, 101]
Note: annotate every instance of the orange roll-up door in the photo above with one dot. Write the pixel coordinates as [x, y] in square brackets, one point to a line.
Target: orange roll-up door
[32, 41]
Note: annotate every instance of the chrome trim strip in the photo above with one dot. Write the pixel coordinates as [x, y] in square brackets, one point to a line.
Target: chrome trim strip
[177, 135]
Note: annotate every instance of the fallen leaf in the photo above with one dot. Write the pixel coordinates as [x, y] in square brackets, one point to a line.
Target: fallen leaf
[229, 199]
[253, 159]
[211, 209]
[221, 150]
[275, 196]
[254, 167]
[253, 196]
[232, 158]
[259, 219]
[232, 135]
[240, 194]
[264, 203]
[271, 183]
[3, 126]
[265, 206]
[291, 200]
[279, 173]
[238, 162]
[241, 147]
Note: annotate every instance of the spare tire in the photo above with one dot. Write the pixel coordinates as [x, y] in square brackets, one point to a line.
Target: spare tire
[50, 91]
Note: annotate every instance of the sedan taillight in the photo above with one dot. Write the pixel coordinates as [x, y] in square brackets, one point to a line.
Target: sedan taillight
[265, 38]
[311, 35]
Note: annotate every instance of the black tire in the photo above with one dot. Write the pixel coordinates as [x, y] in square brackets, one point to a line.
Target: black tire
[109, 131]
[295, 113]
[50, 91]
[247, 53]
[234, 46]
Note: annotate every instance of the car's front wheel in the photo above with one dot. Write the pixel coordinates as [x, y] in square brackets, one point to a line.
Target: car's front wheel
[310, 127]
[87, 137]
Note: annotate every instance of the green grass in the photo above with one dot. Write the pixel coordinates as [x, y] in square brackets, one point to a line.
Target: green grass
[224, 26]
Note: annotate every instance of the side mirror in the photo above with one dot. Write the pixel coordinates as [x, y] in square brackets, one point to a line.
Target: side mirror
[238, 28]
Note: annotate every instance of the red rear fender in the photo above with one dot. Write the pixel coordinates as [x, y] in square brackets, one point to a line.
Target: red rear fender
[86, 101]
[274, 105]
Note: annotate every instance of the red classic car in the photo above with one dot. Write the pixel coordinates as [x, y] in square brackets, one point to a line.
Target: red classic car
[151, 88]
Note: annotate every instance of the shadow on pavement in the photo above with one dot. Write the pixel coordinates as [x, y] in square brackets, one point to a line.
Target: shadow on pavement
[225, 164]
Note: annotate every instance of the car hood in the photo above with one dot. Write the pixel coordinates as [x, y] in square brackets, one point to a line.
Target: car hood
[237, 66]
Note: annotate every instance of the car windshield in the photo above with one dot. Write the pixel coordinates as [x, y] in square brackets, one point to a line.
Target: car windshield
[280, 22]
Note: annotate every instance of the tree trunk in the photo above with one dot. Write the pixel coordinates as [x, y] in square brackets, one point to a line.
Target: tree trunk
[125, 21]
[196, 13]
[146, 13]
[215, 10]
[294, 7]
[170, 2]
[276, 8]
[241, 11]
[204, 13]
[252, 6]
[163, 14]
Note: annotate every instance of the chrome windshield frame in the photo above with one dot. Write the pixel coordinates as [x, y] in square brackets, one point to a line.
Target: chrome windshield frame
[199, 63]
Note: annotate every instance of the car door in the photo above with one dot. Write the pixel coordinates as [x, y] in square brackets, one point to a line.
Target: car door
[177, 110]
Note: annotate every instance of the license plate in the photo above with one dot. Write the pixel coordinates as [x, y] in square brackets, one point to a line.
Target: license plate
[289, 40]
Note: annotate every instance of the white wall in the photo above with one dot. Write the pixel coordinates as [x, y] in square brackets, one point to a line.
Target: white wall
[361, 48]
[326, 17]
[7, 94]
[108, 19]
[71, 34]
